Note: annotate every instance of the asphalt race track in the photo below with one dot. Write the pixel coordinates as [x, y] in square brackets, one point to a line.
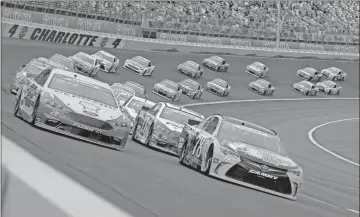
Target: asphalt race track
[148, 183]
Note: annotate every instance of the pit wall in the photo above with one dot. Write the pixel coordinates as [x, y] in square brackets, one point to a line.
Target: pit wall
[61, 35]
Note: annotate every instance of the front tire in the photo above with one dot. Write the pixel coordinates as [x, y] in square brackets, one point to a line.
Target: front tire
[208, 160]
[34, 114]
[17, 105]
[133, 138]
[182, 153]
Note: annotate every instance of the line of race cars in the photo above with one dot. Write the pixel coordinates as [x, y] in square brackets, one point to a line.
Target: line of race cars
[59, 94]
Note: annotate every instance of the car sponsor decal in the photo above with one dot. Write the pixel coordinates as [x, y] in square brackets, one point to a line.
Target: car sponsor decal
[263, 174]
[81, 126]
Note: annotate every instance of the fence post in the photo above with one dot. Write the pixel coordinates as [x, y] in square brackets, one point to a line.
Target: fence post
[278, 23]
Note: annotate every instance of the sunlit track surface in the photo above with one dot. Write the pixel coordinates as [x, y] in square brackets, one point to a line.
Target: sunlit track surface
[148, 183]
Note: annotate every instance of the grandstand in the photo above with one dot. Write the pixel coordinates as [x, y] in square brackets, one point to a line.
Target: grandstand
[324, 22]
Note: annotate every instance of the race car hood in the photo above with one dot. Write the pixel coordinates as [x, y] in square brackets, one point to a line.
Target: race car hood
[52, 63]
[136, 63]
[171, 125]
[86, 107]
[261, 156]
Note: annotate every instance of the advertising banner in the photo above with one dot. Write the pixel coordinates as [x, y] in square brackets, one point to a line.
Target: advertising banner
[59, 37]
[72, 22]
[250, 43]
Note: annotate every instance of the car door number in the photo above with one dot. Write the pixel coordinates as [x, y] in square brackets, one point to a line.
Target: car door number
[199, 143]
[146, 124]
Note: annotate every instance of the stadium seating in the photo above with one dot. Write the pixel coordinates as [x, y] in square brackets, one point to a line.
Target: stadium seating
[310, 21]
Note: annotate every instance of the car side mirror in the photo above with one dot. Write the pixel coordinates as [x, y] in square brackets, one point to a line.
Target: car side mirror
[192, 122]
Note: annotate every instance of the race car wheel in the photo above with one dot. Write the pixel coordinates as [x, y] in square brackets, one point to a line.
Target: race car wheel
[17, 105]
[337, 92]
[199, 95]
[264, 92]
[218, 69]
[182, 153]
[333, 78]
[307, 93]
[328, 92]
[208, 160]
[195, 75]
[314, 94]
[34, 114]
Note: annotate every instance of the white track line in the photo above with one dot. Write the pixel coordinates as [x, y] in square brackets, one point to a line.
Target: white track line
[264, 100]
[70, 196]
[313, 141]
[274, 100]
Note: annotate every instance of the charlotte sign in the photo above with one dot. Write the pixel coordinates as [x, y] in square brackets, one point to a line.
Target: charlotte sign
[249, 43]
[72, 22]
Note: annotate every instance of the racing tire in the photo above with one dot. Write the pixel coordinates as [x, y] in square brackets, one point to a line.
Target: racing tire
[133, 138]
[307, 93]
[218, 69]
[314, 94]
[263, 93]
[208, 160]
[17, 105]
[337, 92]
[200, 95]
[182, 153]
[328, 92]
[34, 114]
[333, 78]
[195, 75]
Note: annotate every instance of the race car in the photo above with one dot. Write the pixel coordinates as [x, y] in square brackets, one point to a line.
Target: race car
[160, 126]
[334, 74]
[216, 63]
[240, 152]
[257, 69]
[86, 64]
[63, 60]
[262, 87]
[53, 64]
[30, 70]
[122, 93]
[218, 86]
[74, 105]
[108, 62]
[140, 90]
[306, 88]
[309, 74]
[140, 65]
[168, 90]
[329, 87]
[190, 68]
[133, 105]
[191, 88]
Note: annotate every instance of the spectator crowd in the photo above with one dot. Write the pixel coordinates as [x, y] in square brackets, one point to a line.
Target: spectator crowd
[313, 21]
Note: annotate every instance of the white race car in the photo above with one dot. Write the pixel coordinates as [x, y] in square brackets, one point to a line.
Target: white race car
[257, 69]
[108, 62]
[334, 74]
[240, 152]
[86, 64]
[140, 65]
[133, 105]
[309, 74]
[329, 87]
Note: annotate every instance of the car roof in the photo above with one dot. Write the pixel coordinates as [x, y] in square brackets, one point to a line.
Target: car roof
[217, 58]
[61, 56]
[141, 58]
[39, 64]
[105, 53]
[85, 54]
[173, 106]
[190, 81]
[262, 81]
[81, 77]
[306, 82]
[250, 125]
[220, 80]
[309, 69]
[192, 63]
[334, 69]
[169, 81]
[258, 63]
[329, 82]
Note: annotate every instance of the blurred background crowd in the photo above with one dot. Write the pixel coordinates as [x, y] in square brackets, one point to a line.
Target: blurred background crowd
[311, 21]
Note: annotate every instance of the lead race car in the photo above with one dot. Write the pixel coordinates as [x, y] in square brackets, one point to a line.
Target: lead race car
[122, 93]
[241, 153]
[108, 62]
[86, 64]
[191, 88]
[160, 126]
[218, 86]
[140, 65]
[216, 63]
[30, 70]
[190, 68]
[257, 69]
[168, 90]
[74, 105]
[334, 74]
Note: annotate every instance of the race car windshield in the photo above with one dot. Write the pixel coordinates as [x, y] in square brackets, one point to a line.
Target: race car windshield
[106, 57]
[177, 115]
[67, 63]
[87, 59]
[234, 132]
[220, 83]
[33, 70]
[80, 88]
[306, 84]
